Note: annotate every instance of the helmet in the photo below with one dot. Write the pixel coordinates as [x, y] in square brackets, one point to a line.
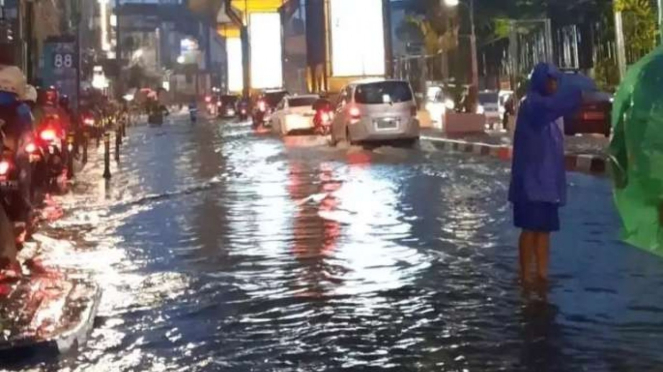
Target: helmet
[30, 94]
[47, 96]
[12, 80]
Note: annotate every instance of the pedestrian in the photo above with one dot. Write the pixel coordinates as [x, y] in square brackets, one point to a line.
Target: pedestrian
[538, 175]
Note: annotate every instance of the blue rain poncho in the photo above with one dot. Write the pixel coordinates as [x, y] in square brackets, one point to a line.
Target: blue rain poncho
[538, 173]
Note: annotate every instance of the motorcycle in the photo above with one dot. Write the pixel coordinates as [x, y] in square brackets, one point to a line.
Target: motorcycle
[242, 111]
[193, 115]
[243, 114]
[50, 141]
[15, 202]
[322, 122]
[260, 114]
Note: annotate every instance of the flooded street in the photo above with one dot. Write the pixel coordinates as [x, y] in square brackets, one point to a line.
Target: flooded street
[219, 249]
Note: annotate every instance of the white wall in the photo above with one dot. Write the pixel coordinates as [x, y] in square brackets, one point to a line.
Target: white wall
[266, 51]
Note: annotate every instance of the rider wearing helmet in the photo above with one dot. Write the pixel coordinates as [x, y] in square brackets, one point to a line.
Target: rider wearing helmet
[49, 110]
[16, 125]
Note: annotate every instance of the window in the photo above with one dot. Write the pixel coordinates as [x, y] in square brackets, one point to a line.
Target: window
[343, 98]
[384, 92]
[273, 98]
[488, 97]
[229, 100]
[302, 101]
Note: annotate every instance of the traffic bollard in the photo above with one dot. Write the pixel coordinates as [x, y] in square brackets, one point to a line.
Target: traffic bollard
[70, 156]
[86, 140]
[107, 173]
[118, 132]
[118, 142]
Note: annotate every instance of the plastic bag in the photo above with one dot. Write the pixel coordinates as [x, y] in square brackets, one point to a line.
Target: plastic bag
[636, 153]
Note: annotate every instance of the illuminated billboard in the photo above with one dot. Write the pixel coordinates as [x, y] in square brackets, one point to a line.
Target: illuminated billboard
[235, 69]
[265, 41]
[357, 38]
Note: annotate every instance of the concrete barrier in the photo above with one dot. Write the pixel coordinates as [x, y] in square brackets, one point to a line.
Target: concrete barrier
[462, 123]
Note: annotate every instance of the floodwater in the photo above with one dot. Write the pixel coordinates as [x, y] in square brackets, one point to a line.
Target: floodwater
[222, 250]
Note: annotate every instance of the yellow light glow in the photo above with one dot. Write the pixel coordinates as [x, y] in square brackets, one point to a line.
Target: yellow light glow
[254, 6]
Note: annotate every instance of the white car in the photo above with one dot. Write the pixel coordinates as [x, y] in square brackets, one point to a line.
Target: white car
[437, 104]
[489, 106]
[294, 113]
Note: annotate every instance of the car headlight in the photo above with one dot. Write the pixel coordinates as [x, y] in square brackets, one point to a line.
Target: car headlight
[449, 104]
[480, 109]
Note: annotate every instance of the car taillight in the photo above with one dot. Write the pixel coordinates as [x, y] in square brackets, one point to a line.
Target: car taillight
[355, 113]
[262, 106]
[4, 167]
[88, 121]
[30, 148]
[208, 99]
[48, 135]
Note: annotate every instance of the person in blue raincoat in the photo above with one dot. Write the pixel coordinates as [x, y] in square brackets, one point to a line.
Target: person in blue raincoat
[538, 175]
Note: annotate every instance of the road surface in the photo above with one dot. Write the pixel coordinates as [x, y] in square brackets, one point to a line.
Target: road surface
[222, 250]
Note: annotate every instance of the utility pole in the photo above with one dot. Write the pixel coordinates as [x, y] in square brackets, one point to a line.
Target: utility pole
[660, 19]
[473, 46]
[620, 44]
[78, 18]
[118, 50]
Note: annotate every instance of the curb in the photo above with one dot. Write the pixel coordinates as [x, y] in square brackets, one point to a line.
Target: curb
[591, 164]
[84, 298]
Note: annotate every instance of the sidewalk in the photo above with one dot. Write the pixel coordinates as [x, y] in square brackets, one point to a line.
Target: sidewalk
[47, 309]
[586, 154]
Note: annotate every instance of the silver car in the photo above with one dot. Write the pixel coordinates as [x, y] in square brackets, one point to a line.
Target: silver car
[375, 111]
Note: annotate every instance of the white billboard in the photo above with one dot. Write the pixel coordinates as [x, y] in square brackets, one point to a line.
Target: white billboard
[357, 38]
[265, 41]
[235, 69]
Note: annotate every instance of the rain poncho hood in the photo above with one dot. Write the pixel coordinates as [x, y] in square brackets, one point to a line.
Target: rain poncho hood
[538, 173]
[637, 152]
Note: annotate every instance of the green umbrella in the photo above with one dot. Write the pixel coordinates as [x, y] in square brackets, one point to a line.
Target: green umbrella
[636, 153]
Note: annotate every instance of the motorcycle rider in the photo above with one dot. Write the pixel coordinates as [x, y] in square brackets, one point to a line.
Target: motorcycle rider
[193, 111]
[17, 127]
[322, 106]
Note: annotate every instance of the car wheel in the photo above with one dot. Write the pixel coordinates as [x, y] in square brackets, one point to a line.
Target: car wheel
[333, 141]
[342, 142]
[348, 136]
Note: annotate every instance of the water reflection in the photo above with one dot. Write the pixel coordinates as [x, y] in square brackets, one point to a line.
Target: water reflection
[315, 238]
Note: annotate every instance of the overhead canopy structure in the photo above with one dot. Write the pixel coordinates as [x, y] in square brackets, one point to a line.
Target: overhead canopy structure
[241, 8]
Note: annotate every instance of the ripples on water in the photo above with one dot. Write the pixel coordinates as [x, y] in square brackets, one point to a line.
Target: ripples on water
[221, 250]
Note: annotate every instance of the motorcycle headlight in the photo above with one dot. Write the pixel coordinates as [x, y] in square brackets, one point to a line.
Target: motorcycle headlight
[449, 104]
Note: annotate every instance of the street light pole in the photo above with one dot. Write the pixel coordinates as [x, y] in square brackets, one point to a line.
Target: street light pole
[473, 46]
[660, 18]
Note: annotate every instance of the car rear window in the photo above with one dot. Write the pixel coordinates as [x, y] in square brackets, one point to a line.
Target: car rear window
[302, 101]
[383, 92]
[273, 98]
[488, 97]
[228, 99]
